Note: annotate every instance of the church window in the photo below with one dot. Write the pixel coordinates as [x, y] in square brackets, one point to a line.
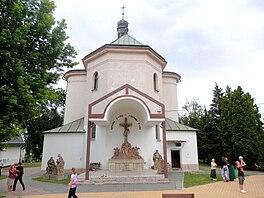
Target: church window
[155, 82]
[95, 81]
[93, 130]
[178, 144]
[157, 131]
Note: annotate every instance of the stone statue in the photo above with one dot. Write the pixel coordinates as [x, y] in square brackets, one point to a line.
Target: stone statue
[126, 151]
[60, 165]
[156, 158]
[126, 132]
[51, 167]
[117, 151]
[160, 166]
[136, 153]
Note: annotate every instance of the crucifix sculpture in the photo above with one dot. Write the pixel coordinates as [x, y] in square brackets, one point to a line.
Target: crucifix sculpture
[126, 132]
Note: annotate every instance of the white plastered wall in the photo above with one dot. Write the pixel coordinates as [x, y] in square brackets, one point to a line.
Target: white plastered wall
[170, 98]
[188, 151]
[118, 69]
[76, 98]
[12, 154]
[70, 145]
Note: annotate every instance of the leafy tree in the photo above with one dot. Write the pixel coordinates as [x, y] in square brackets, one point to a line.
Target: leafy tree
[210, 127]
[193, 118]
[50, 116]
[194, 111]
[240, 127]
[231, 127]
[32, 56]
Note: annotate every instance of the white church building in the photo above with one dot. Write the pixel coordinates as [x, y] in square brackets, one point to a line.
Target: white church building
[122, 102]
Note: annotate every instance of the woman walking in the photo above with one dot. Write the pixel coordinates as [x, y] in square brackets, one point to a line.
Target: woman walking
[11, 178]
[73, 184]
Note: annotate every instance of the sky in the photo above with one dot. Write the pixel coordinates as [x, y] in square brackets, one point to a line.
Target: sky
[204, 41]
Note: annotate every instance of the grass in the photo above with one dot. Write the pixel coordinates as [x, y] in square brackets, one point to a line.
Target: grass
[2, 196]
[30, 165]
[194, 179]
[64, 181]
[3, 177]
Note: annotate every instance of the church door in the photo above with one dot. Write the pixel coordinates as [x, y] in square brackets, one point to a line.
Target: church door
[175, 159]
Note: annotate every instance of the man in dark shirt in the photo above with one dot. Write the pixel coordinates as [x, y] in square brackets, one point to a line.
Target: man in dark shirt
[1, 166]
[19, 176]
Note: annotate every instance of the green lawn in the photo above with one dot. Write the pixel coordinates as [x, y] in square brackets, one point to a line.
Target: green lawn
[64, 181]
[30, 165]
[3, 177]
[194, 179]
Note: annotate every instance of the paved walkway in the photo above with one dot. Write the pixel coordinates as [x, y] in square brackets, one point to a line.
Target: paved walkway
[253, 184]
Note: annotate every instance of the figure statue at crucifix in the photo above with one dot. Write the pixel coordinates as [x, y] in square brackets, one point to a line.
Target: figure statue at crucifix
[126, 132]
[126, 151]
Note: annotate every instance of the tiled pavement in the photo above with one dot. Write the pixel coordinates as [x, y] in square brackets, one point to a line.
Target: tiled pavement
[253, 184]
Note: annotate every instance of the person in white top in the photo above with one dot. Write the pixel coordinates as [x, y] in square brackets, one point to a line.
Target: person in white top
[73, 184]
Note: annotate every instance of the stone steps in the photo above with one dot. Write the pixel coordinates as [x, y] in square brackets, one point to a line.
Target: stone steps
[124, 180]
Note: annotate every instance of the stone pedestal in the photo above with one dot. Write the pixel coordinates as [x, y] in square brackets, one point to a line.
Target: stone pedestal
[126, 164]
[54, 177]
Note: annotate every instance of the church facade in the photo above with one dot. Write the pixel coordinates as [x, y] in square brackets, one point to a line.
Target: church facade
[122, 105]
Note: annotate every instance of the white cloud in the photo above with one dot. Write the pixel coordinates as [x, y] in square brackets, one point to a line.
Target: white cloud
[205, 41]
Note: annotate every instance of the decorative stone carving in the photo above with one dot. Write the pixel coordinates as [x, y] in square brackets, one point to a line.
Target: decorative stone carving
[126, 157]
[160, 166]
[126, 151]
[156, 158]
[51, 167]
[60, 165]
[126, 164]
[116, 153]
[53, 171]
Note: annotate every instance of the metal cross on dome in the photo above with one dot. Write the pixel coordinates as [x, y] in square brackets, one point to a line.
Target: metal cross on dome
[123, 8]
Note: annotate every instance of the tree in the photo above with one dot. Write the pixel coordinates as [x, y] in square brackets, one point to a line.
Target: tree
[231, 127]
[50, 116]
[240, 128]
[210, 127]
[32, 56]
[194, 112]
[193, 118]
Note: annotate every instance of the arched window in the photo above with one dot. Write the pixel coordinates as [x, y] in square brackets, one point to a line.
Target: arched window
[95, 81]
[155, 82]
